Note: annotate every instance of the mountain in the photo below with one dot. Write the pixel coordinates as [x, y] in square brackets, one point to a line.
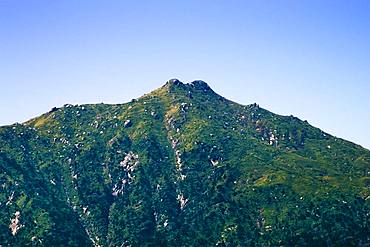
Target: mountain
[180, 166]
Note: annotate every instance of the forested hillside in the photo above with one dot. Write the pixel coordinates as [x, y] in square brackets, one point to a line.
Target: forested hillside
[180, 166]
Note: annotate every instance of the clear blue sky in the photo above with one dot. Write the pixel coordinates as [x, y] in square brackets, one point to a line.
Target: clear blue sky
[306, 58]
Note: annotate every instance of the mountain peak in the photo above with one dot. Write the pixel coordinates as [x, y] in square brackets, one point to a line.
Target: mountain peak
[191, 87]
[200, 85]
[173, 81]
[197, 84]
[181, 159]
[173, 84]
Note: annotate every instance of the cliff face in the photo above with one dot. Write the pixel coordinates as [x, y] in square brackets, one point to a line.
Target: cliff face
[181, 166]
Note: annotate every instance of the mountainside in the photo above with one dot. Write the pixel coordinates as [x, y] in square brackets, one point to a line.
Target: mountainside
[181, 166]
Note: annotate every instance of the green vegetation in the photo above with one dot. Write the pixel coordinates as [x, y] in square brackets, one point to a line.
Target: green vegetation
[181, 166]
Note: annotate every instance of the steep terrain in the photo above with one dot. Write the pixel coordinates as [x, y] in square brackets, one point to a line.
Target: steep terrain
[181, 166]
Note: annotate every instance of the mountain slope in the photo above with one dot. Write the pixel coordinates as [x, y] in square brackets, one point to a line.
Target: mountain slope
[181, 166]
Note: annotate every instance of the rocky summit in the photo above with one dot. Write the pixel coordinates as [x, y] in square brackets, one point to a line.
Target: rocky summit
[180, 166]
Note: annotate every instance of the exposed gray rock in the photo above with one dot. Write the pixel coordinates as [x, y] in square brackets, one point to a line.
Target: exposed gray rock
[128, 123]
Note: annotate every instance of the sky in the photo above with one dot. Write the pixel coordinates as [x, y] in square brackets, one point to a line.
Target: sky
[310, 59]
